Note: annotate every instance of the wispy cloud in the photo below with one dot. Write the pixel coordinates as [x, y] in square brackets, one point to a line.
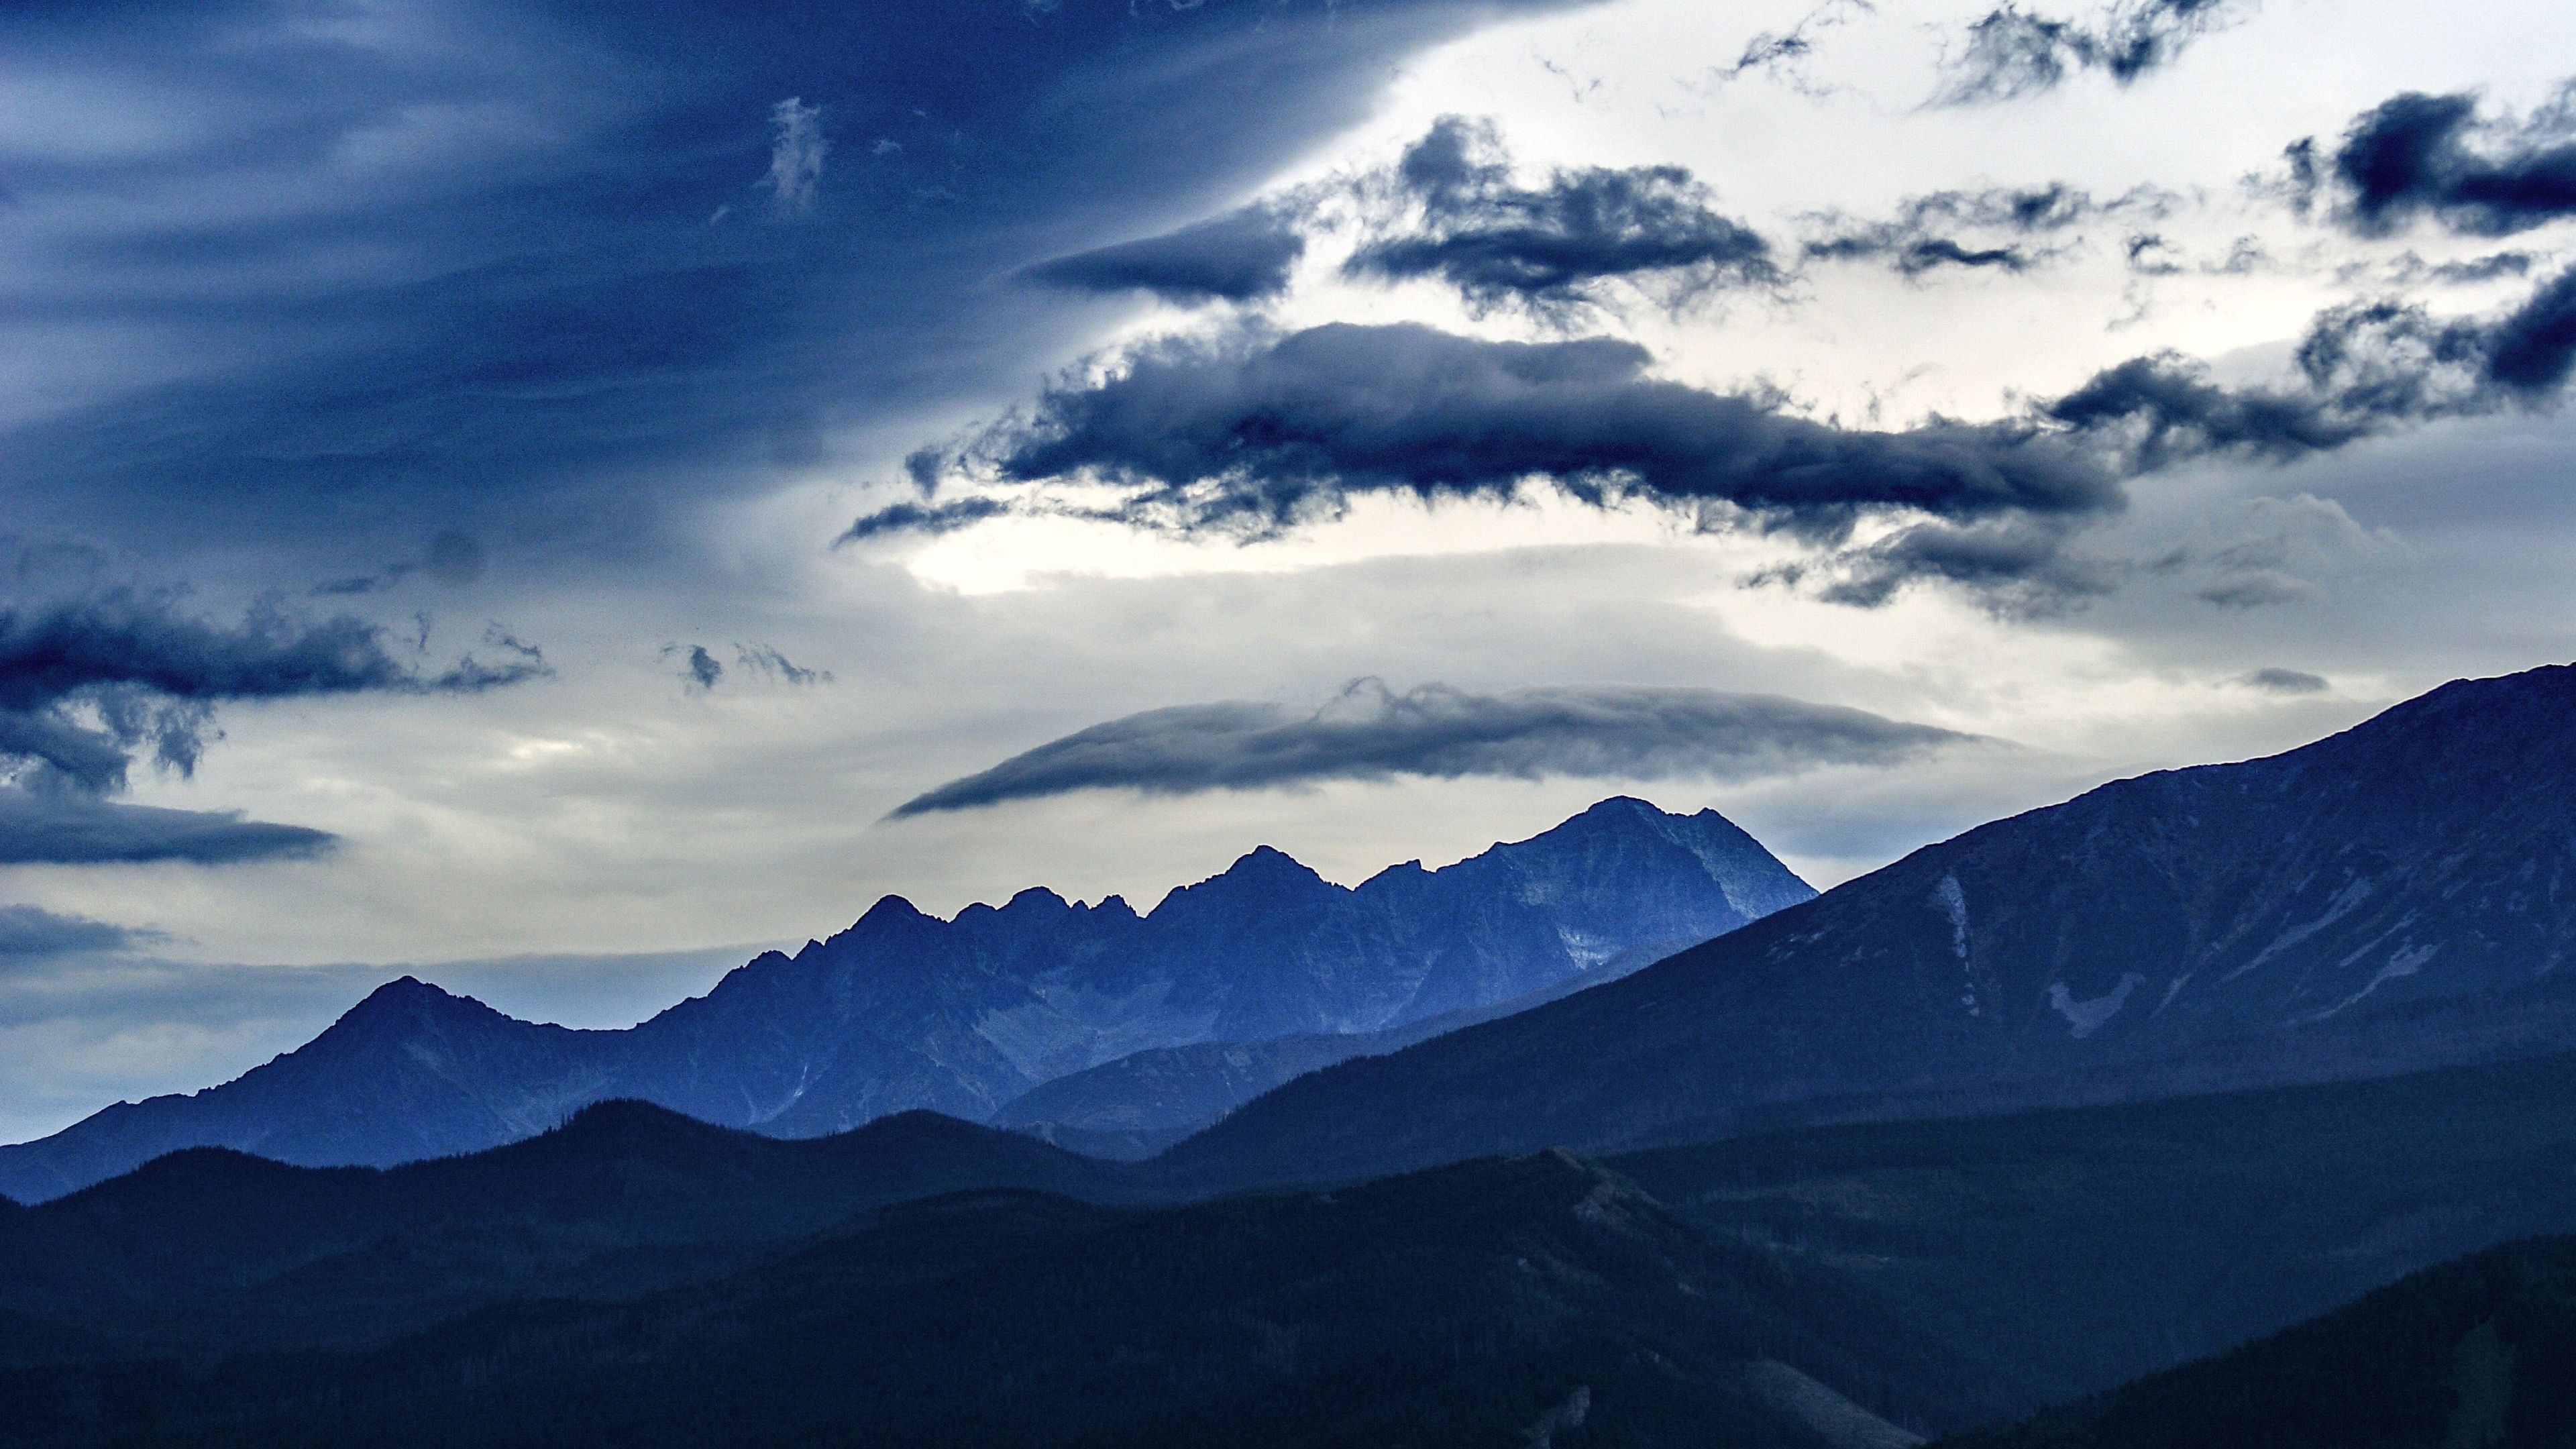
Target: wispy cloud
[796, 154]
[2010, 52]
[1242, 256]
[1370, 732]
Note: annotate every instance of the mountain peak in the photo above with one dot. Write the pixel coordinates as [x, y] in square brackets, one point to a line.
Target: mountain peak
[892, 910]
[408, 998]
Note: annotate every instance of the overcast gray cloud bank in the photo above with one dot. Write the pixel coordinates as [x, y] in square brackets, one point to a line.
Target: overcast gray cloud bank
[1373, 733]
[2010, 52]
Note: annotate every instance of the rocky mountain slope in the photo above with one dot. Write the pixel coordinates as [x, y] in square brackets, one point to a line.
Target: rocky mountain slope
[2400, 895]
[905, 1010]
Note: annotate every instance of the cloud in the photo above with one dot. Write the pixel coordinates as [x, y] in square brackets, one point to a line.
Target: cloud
[487, 294]
[27, 932]
[701, 671]
[1372, 733]
[2009, 225]
[2417, 155]
[1256, 433]
[1781, 54]
[769, 664]
[1252, 433]
[923, 518]
[454, 559]
[795, 155]
[1550, 248]
[86, 681]
[2364, 368]
[62, 827]
[2285, 681]
[2010, 53]
[1243, 256]
[91, 679]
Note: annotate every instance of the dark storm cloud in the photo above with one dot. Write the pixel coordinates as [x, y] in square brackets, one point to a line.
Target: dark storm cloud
[2006, 228]
[1239, 257]
[2010, 52]
[61, 827]
[1252, 434]
[2417, 155]
[1372, 733]
[1255, 434]
[537, 269]
[31, 931]
[1549, 248]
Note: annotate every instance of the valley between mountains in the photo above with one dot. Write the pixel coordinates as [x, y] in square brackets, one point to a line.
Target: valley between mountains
[2230, 1105]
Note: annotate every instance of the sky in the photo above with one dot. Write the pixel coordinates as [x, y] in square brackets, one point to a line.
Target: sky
[555, 497]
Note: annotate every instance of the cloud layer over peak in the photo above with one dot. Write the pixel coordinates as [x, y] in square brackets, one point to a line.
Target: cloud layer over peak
[1370, 732]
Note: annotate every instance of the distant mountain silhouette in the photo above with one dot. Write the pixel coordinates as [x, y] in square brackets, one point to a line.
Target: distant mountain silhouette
[904, 1010]
[2400, 895]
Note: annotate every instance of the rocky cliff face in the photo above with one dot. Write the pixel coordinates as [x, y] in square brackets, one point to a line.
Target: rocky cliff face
[905, 1010]
[2400, 895]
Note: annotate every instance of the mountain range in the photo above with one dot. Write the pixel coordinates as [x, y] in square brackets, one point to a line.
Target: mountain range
[2044, 1115]
[2397, 896]
[905, 1011]
[1825, 1287]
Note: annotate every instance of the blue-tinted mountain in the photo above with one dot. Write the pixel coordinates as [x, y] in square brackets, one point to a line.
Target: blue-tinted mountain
[2400, 895]
[904, 1010]
[1136, 1106]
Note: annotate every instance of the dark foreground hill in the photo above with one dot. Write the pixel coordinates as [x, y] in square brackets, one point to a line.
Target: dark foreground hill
[2479, 1352]
[210, 1251]
[905, 1010]
[2084, 1247]
[2061, 1251]
[1519, 1301]
[2398, 896]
